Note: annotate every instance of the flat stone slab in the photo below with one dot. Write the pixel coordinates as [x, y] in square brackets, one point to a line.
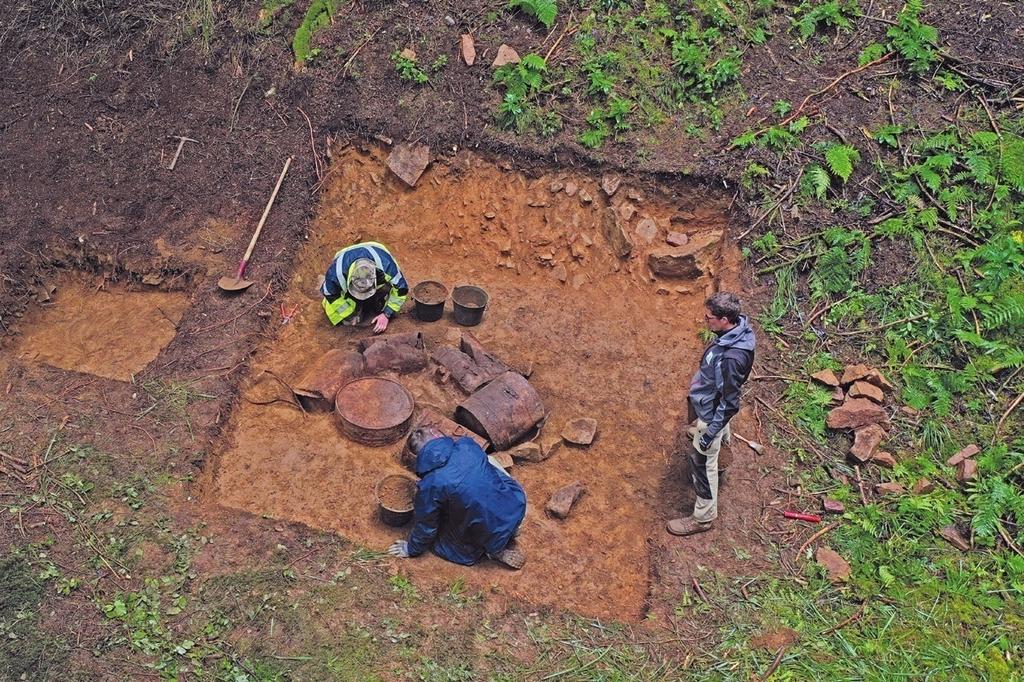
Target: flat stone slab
[563, 499]
[408, 161]
[580, 431]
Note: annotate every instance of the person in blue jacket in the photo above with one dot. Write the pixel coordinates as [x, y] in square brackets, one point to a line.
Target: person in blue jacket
[363, 284]
[466, 507]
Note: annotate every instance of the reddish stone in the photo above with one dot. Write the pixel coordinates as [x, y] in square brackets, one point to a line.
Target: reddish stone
[690, 261]
[506, 55]
[827, 377]
[890, 488]
[616, 232]
[884, 459]
[468, 49]
[852, 373]
[967, 471]
[563, 499]
[865, 441]
[838, 396]
[504, 459]
[580, 431]
[528, 452]
[832, 506]
[677, 239]
[951, 535]
[966, 453]
[923, 487]
[837, 568]
[862, 389]
[856, 412]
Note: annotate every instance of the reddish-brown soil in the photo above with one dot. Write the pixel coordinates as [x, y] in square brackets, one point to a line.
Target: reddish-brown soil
[106, 330]
[608, 342]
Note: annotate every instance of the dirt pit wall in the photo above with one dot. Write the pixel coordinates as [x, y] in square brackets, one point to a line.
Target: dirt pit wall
[605, 338]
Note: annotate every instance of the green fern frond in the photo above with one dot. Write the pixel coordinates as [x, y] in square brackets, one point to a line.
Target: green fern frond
[1012, 163]
[817, 181]
[840, 159]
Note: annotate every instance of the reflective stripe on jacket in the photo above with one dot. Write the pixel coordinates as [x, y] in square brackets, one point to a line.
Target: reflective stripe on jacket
[337, 304]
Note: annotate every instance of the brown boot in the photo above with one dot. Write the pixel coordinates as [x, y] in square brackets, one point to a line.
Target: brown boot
[687, 526]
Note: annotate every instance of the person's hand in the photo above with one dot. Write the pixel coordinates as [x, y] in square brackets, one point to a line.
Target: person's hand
[704, 442]
[399, 549]
[380, 323]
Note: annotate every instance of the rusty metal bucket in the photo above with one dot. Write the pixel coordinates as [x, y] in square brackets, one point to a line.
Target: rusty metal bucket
[503, 411]
[373, 410]
[319, 385]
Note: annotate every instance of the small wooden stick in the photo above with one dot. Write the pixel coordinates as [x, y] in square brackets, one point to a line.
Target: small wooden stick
[181, 145]
[860, 612]
[775, 664]
[860, 484]
[814, 537]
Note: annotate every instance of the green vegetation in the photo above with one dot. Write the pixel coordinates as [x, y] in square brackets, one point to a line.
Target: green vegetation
[407, 68]
[525, 82]
[946, 320]
[317, 16]
[543, 11]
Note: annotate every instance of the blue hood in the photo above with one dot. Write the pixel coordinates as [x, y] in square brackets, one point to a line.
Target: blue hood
[465, 507]
[434, 455]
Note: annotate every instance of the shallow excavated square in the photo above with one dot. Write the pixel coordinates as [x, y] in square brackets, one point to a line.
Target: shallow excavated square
[603, 338]
[109, 331]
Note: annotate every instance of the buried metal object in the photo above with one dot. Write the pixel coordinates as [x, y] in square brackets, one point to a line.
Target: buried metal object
[373, 410]
[503, 411]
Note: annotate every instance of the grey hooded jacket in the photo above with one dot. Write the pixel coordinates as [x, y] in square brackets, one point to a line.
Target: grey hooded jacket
[725, 365]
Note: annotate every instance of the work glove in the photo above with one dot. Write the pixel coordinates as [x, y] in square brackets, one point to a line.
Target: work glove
[399, 549]
[380, 323]
[705, 441]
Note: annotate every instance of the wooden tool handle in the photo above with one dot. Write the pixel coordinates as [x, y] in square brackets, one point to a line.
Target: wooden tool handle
[263, 219]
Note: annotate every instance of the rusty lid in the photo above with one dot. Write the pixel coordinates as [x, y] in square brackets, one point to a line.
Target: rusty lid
[374, 403]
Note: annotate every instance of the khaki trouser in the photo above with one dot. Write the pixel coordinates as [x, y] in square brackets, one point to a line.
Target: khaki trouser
[704, 470]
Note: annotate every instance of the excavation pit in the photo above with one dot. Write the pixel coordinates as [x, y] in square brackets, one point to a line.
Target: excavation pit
[603, 338]
[106, 329]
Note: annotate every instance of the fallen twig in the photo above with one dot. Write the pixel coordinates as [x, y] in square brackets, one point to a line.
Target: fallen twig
[1006, 414]
[860, 485]
[815, 536]
[843, 624]
[775, 664]
[312, 145]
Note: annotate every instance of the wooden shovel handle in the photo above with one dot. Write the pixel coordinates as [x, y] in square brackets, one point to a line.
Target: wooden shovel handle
[263, 219]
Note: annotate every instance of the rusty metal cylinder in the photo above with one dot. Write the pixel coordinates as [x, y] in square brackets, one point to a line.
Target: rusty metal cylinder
[503, 411]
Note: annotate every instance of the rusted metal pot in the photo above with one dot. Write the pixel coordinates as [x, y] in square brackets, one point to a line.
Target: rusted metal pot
[503, 411]
[373, 410]
[319, 385]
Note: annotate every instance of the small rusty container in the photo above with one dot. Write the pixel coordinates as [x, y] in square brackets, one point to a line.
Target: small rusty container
[373, 410]
[396, 495]
[503, 411]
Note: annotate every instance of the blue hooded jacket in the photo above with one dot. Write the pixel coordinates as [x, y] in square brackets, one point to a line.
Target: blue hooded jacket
[465, 506]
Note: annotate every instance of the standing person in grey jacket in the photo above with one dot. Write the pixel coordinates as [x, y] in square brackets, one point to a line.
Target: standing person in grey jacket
[715, 398]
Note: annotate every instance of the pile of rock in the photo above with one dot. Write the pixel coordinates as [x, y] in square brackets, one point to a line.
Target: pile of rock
[861, 397]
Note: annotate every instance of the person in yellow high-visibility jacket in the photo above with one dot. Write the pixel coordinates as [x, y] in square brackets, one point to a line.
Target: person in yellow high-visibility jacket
[363, 284]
